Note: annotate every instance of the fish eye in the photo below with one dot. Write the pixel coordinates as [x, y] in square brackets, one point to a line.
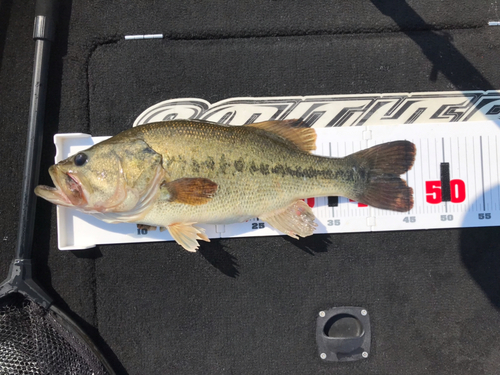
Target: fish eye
[80, 159]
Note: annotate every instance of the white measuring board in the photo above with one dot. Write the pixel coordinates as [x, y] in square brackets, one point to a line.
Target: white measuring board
[455, 178]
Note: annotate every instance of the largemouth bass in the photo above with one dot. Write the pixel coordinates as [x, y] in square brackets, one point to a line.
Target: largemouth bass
[175, 174]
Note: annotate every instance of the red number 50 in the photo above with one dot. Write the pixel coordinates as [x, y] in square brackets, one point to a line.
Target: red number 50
[433, 191]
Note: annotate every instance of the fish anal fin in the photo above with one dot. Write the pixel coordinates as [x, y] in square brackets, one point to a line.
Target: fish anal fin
[187, 235]
[292, 130]
[193, 191]
[295, 220]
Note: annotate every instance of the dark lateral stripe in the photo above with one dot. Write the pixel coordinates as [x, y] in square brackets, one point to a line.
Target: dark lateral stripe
[282, 170]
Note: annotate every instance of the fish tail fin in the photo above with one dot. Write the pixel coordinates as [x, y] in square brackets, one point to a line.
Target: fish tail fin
[379, 169]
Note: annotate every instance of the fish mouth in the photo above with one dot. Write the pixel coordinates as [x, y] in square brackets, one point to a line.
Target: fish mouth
[67, 192]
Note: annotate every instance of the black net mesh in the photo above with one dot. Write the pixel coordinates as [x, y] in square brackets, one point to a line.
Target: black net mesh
[33, 341]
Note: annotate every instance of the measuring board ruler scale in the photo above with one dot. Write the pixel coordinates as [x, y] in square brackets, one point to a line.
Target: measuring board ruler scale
[455, 180]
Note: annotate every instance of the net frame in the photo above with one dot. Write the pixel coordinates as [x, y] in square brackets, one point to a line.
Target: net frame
[35, 336]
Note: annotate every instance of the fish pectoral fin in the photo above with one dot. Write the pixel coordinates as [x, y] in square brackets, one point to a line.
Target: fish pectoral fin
[292, 130]
[187, 235]
[193, 191]
[295, 220]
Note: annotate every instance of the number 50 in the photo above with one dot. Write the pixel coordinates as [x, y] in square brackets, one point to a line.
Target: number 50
[433, 191]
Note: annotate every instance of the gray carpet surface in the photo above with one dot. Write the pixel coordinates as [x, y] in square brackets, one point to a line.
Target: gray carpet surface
[248, 306]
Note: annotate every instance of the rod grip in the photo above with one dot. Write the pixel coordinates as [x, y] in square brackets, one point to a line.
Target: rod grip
[45, 19]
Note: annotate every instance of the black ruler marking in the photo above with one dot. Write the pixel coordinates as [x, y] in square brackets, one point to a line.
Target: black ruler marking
[445, 182]
[333, 201]
[422, 173]
[498, 164]
[467, 164]
[482, 170]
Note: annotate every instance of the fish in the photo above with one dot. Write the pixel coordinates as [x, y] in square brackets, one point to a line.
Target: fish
[179, 173]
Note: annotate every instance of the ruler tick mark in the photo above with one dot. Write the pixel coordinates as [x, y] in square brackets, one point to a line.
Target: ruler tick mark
[482, 170]
[498, 164]
[445, 182]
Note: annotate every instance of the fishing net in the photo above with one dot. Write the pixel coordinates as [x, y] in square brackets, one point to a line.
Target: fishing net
[34, 340]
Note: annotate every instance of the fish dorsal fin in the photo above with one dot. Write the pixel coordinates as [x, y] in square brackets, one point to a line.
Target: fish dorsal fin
[292, 130]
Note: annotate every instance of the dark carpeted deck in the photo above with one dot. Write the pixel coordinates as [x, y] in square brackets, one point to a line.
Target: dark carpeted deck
[248, 306]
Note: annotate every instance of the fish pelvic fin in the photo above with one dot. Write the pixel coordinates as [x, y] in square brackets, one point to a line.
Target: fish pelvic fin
[187, 235]
[295, 220]
[379, 169]
[292, 130]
